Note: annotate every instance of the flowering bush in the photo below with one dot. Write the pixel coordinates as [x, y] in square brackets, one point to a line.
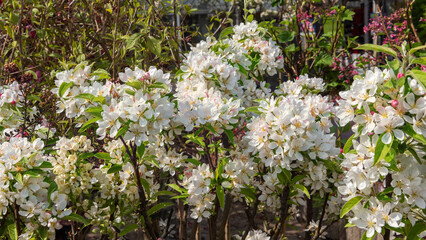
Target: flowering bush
[211, 136]
[384, 172]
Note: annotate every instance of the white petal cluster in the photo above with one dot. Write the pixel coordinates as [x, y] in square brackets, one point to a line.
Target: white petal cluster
[293, 132]
[257, 235]
[200, 198]
[141, 102]
[219, 77]
[384, 115]
[23, 187]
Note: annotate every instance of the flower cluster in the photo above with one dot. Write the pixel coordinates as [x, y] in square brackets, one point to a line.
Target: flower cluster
[293, 132]
[141, 105]
[198, 183]
[24, 188]
[389, 125]
[218, 78]
[394, 26]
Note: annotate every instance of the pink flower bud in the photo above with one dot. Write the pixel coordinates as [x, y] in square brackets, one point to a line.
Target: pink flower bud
[394, 103]
[372, 112]
[13, 102]
[341, 150]
[400, 75]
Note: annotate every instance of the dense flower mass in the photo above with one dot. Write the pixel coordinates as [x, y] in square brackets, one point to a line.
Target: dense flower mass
[389, 126]
[293, 132]
[147, 150]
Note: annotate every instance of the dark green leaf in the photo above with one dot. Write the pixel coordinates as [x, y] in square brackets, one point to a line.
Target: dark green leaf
[154, 45]
[158, 207]
[418, 228]
[193, 161]
[76, 218]
[225, 32]
[127, 229]
[103, 155]
[408, 129]
[115, 168]
[87, 124]
[45, 164]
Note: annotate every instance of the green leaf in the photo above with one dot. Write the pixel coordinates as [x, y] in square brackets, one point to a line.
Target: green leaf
[230, 135]
[250, 18]
[115, 168]
[416, 156]
[18, 178]
[349, 205]
[381, 149]
[64, 86]
[193, 161]
[408, 129]
[101, 73]
[253, 109]
[131, 42]
[304, 189]
[94, 110]
[103, 155]
[158, 85]
[164, 193]
[284, 176]
[134, 84]
[348, 144]
[122, 131]
[99, 99]
[52, 188]
[297, 178]
[286, 36]
[175, 187]
[141, 150]
[13, 232]
[13, 18]
[418, 228]
[421, 61]
[349, 225]
[413, 50]
[347, 15]
[146, 186]
[420, 76]
[45, 164]
[85, 156]
[242, 69]
[86, 96]
[249, 193]
[127, 229]
[158, 207]
[154, 45]
[225, 32]
[87, 124]
[76, 218]
[220, 195]
[378, 48]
